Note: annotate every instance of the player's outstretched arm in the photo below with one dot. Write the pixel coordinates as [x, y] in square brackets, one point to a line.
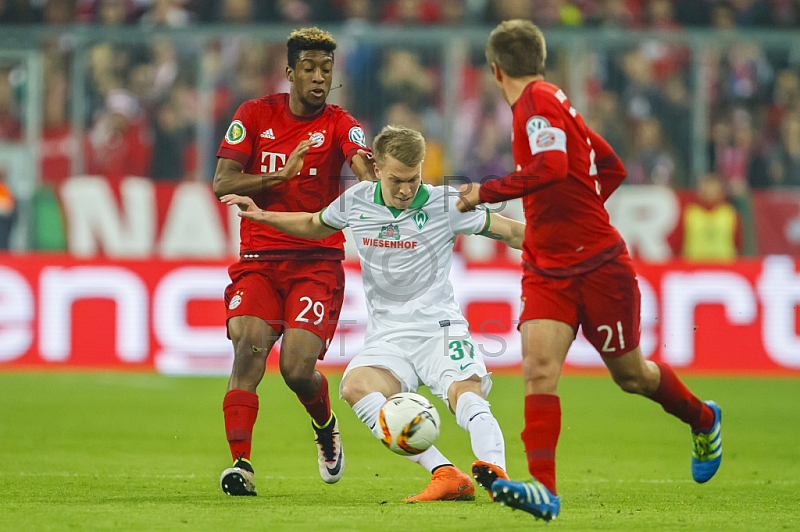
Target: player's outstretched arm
[302, 224]
[229, 179]
[469, 197]
[508, 231]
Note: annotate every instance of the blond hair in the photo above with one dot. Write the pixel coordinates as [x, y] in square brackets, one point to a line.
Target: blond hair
[518, 47]
[309, 38]
[404, 144]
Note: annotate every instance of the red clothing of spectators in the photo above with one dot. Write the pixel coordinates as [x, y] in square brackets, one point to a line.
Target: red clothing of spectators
[428, 12]
[56, 154]
[118, 154]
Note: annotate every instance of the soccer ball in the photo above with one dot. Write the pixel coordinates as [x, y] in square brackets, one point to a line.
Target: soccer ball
[410, 423]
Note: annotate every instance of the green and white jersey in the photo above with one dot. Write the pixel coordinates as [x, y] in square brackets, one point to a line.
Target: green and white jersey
[406, 254]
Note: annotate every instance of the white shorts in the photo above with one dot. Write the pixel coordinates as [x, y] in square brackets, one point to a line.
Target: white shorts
[436, 360]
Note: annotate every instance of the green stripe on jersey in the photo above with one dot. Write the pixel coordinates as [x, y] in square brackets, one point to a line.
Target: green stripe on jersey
[485, 229]
[325, 224]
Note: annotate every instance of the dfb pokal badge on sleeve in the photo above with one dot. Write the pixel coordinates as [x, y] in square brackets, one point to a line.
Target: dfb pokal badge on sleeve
[236, 132]
[356, 136]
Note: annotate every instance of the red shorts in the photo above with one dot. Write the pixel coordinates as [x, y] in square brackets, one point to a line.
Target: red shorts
[604, 302]
[288, 294]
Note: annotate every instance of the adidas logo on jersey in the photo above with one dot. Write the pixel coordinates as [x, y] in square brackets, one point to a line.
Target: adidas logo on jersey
[268, 134]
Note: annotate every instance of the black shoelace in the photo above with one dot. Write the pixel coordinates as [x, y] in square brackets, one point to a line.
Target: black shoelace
[325, 438]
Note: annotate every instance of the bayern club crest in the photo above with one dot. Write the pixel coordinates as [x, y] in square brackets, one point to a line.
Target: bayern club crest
[318, 138]
[545, 139]
[235, 302]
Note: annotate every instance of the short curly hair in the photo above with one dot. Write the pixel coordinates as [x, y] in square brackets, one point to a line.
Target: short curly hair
[309, 38]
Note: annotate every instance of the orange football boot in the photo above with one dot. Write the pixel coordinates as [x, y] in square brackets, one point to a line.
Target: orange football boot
[447, 484]
[486, 473]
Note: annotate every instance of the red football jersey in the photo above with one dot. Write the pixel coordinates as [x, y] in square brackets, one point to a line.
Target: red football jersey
[261, 136]
[568, 231]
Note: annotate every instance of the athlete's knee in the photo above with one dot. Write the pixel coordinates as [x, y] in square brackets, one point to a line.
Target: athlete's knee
[636, 382]
[636, 376]
[353, 390]
[297, 377]
[540, 375]
[251, 338]
[249, 363]
[540, 367]
[249, 346]
[630, 383]
[248, 366]
[301, 347]
[459, 388]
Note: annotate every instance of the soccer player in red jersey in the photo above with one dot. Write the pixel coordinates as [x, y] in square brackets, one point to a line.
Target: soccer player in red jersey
[576, 268]
[286, 151]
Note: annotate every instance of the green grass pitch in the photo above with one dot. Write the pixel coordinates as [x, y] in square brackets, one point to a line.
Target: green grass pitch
[144, 452]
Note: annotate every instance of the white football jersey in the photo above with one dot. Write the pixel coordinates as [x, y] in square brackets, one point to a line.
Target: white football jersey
[406, 254]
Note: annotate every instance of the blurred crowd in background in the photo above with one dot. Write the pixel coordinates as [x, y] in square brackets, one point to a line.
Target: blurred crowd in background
[141, 99]
[665, 14]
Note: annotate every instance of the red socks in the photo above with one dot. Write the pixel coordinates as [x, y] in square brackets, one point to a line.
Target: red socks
[240, 409]
[676, 399]
[543, 422]
[542, 427]
[319, 406]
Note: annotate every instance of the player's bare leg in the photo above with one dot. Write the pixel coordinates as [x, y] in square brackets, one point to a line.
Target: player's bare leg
[634, 374]
[362, 381]
[544, 347]
[252, 340]
[658, 382]
[300, 350]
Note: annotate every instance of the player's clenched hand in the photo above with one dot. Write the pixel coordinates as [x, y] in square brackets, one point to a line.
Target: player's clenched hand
[247, 207]
[363, 165]
[295, 161]
[469, 197]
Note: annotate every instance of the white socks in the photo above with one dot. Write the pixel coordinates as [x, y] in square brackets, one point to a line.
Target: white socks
[474, 415]
[367, 410]
[430, 459]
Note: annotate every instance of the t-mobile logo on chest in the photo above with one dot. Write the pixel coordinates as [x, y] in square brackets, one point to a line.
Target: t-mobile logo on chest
[276, 159]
